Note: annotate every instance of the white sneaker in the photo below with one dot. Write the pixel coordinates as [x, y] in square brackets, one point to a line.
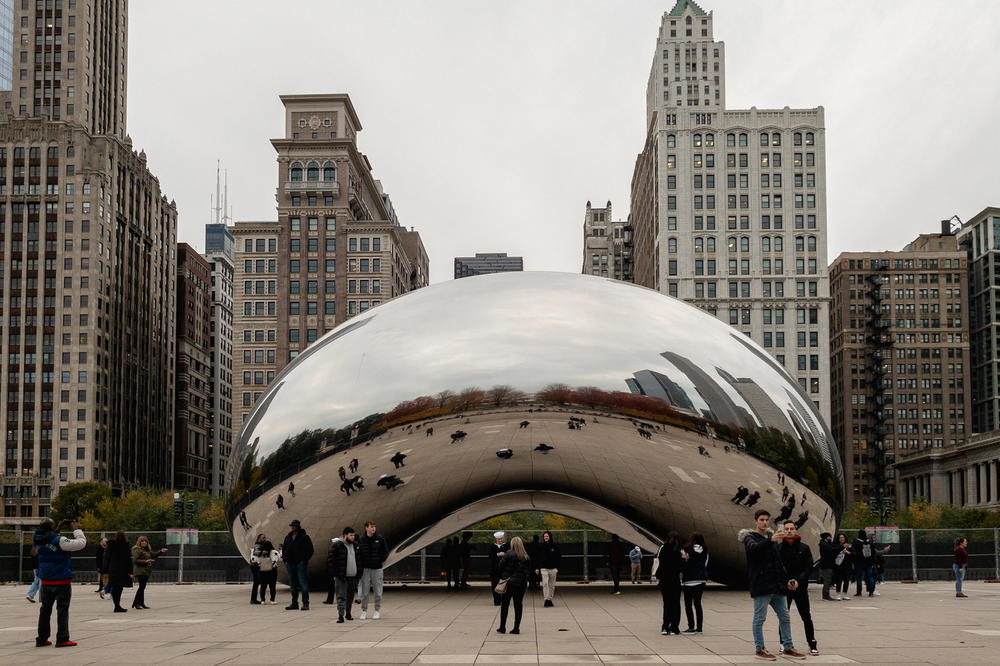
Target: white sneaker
[364, 615]
[876, 593]
[273, 603]
[376, 615]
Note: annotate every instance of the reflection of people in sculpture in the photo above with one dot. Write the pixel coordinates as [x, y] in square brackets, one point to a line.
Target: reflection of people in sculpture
[753, 498]
[343, 473]
[346, 487]
[280, 501]
[243, 520]
[524, 424]
[353, 465]
[458, 436]
[358, 483]
[397, 459]
[428, 432]
[505, 454]
[389, 481]
[544, 448]
[741, 493]
[784, 494]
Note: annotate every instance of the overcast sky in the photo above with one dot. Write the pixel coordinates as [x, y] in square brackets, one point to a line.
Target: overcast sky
[491, 124]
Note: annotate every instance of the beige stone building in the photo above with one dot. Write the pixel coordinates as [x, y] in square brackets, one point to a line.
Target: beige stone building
[87, 267]
[728, 206]
[607, 245]
[336, 249]
[900, 366]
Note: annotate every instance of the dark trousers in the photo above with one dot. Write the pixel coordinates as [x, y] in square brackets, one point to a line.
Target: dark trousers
[866, 573]
[827, 576]
[616, 575]
[841, 580]
[60, 596]
[801, 599]
[268, 582]
[116, 594]
[671, 607]
[692, 605]
[298, 581]
[448, 572]
[466, 563]
[345, 587]
[255, 572]
[517, 594]
[140, 594]
[494, 579]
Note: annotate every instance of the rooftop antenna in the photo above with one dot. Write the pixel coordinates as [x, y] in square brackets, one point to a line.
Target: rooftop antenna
[226, 217]
[216, 208]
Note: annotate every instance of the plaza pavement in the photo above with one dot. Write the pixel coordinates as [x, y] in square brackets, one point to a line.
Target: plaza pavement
[214, 624]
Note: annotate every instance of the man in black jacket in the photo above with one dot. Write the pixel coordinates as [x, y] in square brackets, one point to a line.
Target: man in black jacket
[864, 562]
[828, 552]
[548, 559]
[342, 566]
[295, 553]
[372, 553]
[798, 561]
[768, 583]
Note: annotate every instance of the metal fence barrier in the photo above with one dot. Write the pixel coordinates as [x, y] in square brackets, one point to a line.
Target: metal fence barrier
[919, 555]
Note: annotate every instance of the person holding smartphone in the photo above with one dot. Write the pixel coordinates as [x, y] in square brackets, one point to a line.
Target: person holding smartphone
[55, 569]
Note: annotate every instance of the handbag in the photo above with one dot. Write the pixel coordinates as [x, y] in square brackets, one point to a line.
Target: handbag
[840, 558]
[501, 587]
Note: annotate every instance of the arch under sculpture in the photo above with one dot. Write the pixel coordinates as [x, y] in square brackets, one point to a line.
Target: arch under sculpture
[654, 411]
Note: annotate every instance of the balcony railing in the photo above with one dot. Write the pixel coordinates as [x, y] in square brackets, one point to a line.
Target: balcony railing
[313, 186]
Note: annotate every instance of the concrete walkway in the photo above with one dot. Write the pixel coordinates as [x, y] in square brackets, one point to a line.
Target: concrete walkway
[214, 624]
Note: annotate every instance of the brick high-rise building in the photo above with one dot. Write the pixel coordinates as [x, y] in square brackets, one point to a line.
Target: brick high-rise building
[88, 265]
[607, 245]
[336, 249]
[729, 206]
[192, 456]
[900, 365]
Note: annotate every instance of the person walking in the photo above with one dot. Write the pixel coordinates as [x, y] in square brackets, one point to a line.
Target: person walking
[291, 488]
[864, 563]
[398, 459]
[265, 557]
[694, 578]
[255, 592]
[549, 559]
[798, 562]
[828, 552]
[373, 552]
[635, 565]
[514, 569]
[843, 568]
[102, 573]
[295, 553]
[118, 563]
[961, 561]
[280, 502]
[342, 567]
[463, 555]
[446, 559]
[36, 583]
[55, 569]
[768, 583]
[668, 577]
[615, 557]
[143, 557]
[497, 550]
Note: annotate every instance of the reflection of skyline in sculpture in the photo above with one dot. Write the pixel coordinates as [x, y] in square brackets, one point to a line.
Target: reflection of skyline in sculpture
[721, 407]
[766, 411]
[658, 385]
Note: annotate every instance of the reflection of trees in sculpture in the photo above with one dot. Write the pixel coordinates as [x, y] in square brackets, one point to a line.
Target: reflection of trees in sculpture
[802, 463]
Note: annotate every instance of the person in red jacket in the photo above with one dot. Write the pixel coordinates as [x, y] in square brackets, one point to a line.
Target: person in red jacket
[961, 561]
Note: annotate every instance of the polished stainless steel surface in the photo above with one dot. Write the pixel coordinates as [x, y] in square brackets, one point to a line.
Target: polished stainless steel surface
[676, 409]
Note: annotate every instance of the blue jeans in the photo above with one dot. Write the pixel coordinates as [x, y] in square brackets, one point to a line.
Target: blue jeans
[959, 577]
[780, 605]
[298, 580]
[866, 573]
[37, 583]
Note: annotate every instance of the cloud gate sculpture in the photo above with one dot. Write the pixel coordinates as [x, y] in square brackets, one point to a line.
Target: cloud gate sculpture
[651, 412]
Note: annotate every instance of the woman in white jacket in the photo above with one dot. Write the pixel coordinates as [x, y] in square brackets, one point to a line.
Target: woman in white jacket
[263, 561]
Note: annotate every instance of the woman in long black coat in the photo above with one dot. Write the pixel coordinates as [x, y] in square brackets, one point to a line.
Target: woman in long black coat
[668, 578]
[118, 564]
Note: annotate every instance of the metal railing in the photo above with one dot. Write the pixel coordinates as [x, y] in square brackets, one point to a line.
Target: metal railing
[918, 555]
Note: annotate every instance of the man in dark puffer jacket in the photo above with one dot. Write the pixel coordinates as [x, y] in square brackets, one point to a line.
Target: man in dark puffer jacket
[798, 561]
[55, 569]
[372, 552]
[342, 567]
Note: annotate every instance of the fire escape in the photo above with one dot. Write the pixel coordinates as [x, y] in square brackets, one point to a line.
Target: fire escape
[628, 273]
[878, 352]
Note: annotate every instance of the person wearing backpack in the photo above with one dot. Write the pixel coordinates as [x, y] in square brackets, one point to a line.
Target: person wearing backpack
[864, 563]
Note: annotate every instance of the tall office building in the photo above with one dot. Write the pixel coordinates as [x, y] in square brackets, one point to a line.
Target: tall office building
[194, 371]
[900, 368]
[485, 263]
[336, 249]
[88, 266]
[607, 244]
[219, 243]
[728, 206]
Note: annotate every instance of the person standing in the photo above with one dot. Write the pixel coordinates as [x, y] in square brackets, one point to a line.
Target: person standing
[768, 583]
[142, 566]
[291, 488]
[280, 502]
[36, 583]
[497, 550]
[118, 563]
[534, 554]
[960, 563]
[102, 573]
[668, 579]
[55, 569]
[445, 558]
[514, 567]
[828, 552]
[616, 557]
[342, 566]
[266, 559]
[694, 578]
[373, 552]
[255, 591]
[549, 559]
[798, 562]
[635, 563]
[843, 567]
[295, 553]
[463, 556]
[864, 563]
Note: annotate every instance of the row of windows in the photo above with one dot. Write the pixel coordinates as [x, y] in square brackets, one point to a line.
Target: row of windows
[701, 244]
[312, 172]
[35, 152]
[742, 139]
[312, 286]
[312, 308]
[312, 223]
[258, 335]
[766, 201]
[802, 267]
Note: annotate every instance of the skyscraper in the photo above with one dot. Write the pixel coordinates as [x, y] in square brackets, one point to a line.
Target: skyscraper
[220, 440]
[607, 244]
[88, 264]
[485, 263]
[728, 206]
[193, 424]
[336, 249]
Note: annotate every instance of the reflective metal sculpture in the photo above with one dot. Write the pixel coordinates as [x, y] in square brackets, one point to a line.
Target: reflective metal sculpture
[567, 393]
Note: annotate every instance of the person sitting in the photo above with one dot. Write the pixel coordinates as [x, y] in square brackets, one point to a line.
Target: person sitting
[505, 454]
